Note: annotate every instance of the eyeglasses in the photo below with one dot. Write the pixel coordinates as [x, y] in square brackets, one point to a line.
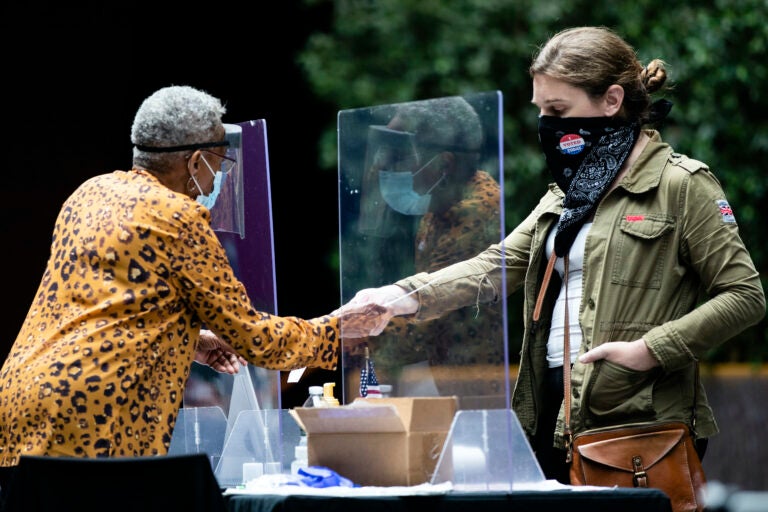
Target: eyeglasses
[184, 147]
[227, 163]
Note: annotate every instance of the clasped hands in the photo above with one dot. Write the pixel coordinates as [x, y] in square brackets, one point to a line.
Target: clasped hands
[371, 309]
[367, 314]
[216, 353]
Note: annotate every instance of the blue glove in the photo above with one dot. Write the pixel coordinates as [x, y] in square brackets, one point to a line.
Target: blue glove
[320, 476]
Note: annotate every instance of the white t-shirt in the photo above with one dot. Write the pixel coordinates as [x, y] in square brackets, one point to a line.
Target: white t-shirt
[575, 266]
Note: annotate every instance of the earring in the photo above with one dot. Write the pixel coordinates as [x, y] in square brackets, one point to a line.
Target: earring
[190, 184]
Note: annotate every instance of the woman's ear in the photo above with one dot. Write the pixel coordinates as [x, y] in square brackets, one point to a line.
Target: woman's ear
[613, 99]
[193, 162]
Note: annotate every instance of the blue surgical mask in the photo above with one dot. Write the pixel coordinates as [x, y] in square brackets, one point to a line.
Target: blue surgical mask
[208, 200]
[397, 190]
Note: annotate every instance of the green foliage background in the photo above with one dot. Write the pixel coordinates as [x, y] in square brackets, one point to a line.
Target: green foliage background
[390, 51]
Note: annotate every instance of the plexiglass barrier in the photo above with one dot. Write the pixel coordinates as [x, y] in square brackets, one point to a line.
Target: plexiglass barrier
[421, 187]
[260, 438]
[199, 430]
[213, 401]
[486, 450]
[252, 259]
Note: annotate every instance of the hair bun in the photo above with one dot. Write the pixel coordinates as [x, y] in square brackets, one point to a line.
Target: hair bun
[654, 75]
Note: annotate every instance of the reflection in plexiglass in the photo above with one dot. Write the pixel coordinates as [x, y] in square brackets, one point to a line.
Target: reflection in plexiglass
[421, 187]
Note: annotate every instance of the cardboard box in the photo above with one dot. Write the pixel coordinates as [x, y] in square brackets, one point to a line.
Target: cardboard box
[379, 442]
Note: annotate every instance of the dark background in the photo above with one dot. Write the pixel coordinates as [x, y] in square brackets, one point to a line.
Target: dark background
[74, 76]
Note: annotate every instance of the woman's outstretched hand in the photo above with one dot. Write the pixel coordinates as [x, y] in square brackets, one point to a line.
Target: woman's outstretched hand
[371, 309]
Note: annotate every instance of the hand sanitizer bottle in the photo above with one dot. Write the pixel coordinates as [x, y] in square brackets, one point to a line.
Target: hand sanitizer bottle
[328, 397]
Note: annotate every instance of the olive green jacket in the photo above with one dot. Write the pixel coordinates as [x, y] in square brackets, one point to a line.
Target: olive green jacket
[663, 261]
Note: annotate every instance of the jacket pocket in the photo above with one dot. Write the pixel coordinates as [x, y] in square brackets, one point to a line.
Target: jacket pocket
[642, 247]
[617, 393]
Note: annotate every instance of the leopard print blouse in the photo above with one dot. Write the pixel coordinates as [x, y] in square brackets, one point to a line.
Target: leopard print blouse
[99, 366]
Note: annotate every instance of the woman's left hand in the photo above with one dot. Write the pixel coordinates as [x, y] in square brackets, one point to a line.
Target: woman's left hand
[630, 354]
[216, 353]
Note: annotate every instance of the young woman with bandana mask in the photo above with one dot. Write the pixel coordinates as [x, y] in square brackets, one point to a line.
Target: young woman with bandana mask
[657, 273]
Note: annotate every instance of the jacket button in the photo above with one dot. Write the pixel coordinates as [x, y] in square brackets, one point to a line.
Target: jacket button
[591, 304]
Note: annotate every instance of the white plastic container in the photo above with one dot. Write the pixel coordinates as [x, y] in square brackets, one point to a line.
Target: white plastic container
[300, 456]
[315, 398]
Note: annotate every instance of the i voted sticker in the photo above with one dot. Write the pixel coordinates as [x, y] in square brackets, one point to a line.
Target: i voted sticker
[571, 144]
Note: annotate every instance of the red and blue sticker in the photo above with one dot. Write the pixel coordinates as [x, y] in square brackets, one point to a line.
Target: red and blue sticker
[726, 211]
[572, 144]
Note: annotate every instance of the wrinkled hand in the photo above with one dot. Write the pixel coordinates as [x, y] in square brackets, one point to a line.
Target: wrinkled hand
[371, 309]
[630, 354]
[214, 352]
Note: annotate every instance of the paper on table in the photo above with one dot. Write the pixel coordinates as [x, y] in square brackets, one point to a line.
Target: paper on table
[264, 485]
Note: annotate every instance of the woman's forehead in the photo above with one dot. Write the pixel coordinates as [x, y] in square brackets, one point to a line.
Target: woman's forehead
[548, 90]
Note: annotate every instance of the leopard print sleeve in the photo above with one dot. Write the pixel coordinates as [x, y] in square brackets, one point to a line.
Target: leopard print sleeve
[210, 289]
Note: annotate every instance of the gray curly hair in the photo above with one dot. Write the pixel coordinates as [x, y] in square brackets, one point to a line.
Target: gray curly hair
[174, 116]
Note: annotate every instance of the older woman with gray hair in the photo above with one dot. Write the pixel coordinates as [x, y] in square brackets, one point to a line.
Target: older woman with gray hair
[135, 272]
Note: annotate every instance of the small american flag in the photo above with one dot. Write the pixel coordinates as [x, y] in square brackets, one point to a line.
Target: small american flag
[369, 384]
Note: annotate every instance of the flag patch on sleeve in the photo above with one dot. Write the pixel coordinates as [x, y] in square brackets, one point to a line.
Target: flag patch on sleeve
[726, 211]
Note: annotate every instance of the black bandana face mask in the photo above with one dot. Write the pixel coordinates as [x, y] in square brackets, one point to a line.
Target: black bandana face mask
[566, 141]
[584, 155]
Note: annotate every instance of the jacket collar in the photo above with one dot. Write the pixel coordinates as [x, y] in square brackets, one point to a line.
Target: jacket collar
[645, 173]
[553, 188]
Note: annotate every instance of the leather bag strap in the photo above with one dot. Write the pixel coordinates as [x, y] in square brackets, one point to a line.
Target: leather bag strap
[543, 290]
[566, 343]
[567, 368]
[695, 397]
